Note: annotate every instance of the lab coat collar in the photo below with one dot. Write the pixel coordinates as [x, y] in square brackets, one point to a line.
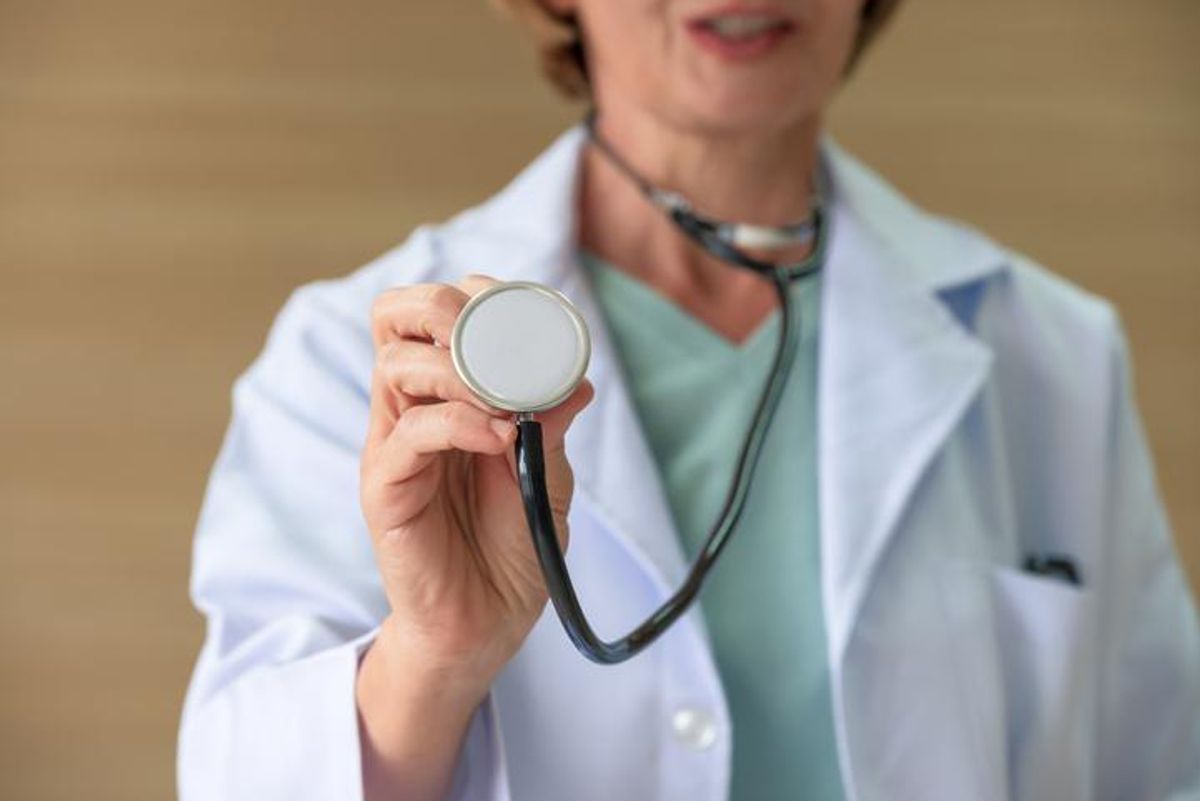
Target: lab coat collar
[898, 368]
[537, 211]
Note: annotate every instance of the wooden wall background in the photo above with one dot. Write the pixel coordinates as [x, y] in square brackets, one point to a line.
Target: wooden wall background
[170, 169]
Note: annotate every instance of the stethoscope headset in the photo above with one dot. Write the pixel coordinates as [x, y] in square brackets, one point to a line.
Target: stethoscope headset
[523, 347]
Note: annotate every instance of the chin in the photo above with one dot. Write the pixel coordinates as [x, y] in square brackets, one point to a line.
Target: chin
[736, 108]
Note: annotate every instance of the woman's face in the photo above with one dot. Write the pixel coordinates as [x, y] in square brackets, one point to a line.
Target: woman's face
[725, 66]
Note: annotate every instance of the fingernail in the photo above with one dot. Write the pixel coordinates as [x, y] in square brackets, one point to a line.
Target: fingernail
[502, 427]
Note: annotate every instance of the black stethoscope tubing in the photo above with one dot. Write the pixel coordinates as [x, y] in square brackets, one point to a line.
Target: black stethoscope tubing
[530, 458]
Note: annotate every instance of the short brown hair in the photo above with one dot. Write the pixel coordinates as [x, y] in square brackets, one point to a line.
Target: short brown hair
[560, 45]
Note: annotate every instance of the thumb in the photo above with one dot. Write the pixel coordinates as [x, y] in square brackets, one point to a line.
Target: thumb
[560, 478]
[554, 428]
[556, 421]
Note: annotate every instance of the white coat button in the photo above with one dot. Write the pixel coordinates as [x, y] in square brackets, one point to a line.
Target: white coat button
[694, 727]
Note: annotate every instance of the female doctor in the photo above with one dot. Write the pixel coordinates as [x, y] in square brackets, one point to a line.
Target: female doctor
[953, 578]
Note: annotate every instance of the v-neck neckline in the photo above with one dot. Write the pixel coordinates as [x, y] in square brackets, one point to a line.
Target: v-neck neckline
[694, 330]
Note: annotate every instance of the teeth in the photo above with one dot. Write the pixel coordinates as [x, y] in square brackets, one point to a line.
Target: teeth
[741, 27]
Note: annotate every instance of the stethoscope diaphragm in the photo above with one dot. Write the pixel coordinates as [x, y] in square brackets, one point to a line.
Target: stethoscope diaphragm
[520, 346]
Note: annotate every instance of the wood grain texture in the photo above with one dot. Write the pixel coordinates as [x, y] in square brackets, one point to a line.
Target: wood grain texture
[170, 170]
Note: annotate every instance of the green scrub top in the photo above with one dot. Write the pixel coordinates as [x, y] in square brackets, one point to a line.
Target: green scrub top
[695, 392]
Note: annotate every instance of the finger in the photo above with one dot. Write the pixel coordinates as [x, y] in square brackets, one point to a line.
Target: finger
[383, 412]
[420, 370]
[422, 432]
[421, 311]
[393, 321]
[556, 421]
[386, 403]
[475, 283]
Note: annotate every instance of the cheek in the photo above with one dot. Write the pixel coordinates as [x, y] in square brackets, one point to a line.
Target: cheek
[838, 22]
[629, 41]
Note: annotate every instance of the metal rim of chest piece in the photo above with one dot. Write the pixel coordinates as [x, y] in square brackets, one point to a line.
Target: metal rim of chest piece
[563, 382]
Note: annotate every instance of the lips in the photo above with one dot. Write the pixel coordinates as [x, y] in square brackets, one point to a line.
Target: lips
[738, 33]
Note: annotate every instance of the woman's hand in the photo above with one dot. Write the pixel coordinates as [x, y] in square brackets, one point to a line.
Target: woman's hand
[440, 497]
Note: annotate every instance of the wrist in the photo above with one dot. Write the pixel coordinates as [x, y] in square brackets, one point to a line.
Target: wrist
[400, 669]
[413, 717]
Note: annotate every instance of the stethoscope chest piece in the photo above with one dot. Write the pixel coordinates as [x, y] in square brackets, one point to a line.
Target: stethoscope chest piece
[520, 346]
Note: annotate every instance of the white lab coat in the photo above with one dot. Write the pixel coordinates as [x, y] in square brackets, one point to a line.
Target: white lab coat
[973, 408]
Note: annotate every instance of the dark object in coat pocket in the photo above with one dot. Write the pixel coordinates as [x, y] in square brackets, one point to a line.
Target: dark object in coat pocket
[1052, 565]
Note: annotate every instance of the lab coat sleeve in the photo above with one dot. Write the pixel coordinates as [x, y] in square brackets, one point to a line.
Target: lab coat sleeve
[284, 574]
[1149, 726]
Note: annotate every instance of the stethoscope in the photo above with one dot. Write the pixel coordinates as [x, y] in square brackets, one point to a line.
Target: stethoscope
[523, 347]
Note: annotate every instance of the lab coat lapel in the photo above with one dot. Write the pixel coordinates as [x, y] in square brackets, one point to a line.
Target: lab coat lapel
[897, 371]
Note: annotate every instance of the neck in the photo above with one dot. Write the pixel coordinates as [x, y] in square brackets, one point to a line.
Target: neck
[761, 177]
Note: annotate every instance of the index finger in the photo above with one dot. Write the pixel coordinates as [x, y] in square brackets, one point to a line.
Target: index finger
[475, 283]
[421, 311]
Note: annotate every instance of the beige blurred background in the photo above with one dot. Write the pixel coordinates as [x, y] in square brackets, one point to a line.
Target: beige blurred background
[169, 170]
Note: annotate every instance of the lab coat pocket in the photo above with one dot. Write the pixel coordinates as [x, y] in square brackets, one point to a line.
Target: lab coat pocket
[1044, 638]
